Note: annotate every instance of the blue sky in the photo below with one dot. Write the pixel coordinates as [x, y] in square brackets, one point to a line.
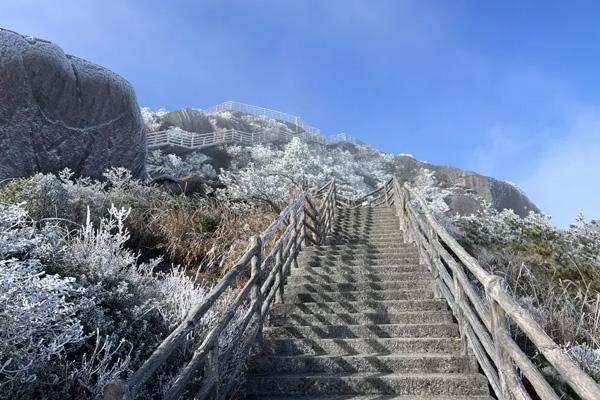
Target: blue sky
[509, 89]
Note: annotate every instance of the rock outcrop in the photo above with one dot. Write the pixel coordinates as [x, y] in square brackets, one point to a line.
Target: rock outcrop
[469, 189]
[58, 111]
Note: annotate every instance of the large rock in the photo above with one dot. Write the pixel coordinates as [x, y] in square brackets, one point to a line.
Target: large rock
[469, 189]
[59, 111]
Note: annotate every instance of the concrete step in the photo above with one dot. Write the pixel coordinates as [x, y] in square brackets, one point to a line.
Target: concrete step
[299, 276]
[356, 257]
[361, 251]
[378, 318]
[374, 250]
[407, 362]
[358, 263]
[367, 397]
[370, 383]
[358, 270]
[362, 306]
[363, 331]
[361, 240]
[353, 287]
[356, 246]
[391, 226]
[353, 346]
[310, 297]
[368, 233]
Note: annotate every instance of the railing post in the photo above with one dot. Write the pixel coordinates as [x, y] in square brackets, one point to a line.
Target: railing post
[279, 278]
[211, 371]
[256, 295]
[459, 298]
[506, 371]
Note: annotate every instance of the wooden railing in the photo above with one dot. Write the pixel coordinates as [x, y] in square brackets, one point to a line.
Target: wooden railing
[485, 311]
[307, 220]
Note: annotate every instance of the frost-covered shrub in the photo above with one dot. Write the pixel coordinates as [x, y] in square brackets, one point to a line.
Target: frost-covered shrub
[15, 191]
[47, 198]
[587, 358]
[39, 316]
[196, 163]
[18, 236]
[264, 174]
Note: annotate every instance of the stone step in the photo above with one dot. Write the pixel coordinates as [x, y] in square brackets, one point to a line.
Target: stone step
[391, 223]
[352, 287]
[363, 331]
[356, 257]
[360, 251]
[389, 250]
[309, 297]
[367, 397]
[362, 306]
[407, 362]
[366, 216]
[367, 233]
[378, 318]
[391, 226]
[359, 246]
[357, 270]
[357, 263]
[299, 276]
[353, 346]
[369, 383]
[361, 240]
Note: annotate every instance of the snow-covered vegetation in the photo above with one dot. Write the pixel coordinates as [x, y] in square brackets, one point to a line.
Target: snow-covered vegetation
[85, 291]
[553, 272]
[94, 274]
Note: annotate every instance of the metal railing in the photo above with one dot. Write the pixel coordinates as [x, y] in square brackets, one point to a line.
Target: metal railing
[195, 141]
[265, 113]
[485, 321]
[300, 224]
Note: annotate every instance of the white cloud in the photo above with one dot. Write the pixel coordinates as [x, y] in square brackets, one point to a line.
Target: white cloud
[564, 178]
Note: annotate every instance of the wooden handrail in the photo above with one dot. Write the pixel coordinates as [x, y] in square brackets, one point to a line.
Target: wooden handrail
[265, 286]
[483, 320]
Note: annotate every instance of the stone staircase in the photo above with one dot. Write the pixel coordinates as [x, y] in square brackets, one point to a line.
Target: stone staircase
[360, 321]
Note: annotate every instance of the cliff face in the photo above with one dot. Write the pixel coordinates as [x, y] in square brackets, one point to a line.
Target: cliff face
[467, 191]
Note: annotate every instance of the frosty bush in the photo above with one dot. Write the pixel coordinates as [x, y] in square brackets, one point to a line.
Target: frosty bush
[159, 163]
[266, 175]
[48, 198]
[587, 358]
[39, 320]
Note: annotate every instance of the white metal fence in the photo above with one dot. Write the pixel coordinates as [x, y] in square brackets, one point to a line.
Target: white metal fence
[194, 141]
[265, 113]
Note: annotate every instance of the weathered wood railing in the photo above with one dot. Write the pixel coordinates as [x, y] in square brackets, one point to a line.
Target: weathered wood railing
[307, 220]
[485, 311]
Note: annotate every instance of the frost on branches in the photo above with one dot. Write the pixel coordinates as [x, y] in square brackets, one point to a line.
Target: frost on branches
[270, 176]
[77, 309]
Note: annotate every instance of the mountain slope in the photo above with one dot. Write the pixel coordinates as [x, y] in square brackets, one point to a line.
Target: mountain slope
[357, 166]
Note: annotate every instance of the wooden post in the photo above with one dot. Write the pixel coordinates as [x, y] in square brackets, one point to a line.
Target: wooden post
[279, 279]
[459, 298]
[303, 235]
[211, 370]
[256, 295]
[294, 238]
[509, 381]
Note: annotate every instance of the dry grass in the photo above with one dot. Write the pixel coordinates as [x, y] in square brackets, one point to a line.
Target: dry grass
[565, 301]
[206, 237]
